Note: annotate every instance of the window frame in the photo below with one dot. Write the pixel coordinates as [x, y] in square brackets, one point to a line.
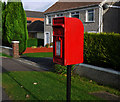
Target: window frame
[59, 15]
[87, 15]
[75, 13]
[47, 20]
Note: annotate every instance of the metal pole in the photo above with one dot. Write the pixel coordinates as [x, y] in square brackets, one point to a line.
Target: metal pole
[68, 83]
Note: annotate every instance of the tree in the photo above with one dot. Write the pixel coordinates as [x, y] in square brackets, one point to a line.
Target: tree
[0, 22]
[16, 25]
[3, 19]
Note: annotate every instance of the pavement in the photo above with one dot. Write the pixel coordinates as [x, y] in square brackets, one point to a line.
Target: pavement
[26, 64]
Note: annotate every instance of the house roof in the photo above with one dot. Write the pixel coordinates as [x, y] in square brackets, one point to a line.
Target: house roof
[34, 14]
[60, 6]
[37, 26]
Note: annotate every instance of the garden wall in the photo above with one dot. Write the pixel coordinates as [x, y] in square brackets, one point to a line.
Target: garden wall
[6, 50]
[101, 75]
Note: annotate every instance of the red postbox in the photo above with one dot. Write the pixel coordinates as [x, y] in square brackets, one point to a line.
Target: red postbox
[68, 41]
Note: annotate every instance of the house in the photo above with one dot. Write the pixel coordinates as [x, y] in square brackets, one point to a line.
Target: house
[33, 16]
[35, 25]
[102, 16]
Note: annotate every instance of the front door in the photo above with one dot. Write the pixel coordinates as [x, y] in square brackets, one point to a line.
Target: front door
[47, 38]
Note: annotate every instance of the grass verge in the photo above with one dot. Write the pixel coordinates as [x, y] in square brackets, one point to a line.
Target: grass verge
[50, 86]
[41, 54]
[4, 55]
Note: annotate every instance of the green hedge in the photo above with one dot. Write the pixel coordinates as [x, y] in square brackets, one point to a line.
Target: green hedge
[102, 49]
[40, 42]
[32, 42]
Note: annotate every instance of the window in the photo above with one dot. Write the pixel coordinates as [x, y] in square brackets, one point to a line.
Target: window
[49, 20]
[75, 14]
[59, 15]
[90, 15]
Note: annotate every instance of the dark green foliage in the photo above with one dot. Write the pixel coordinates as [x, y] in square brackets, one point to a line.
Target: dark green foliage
[3, 21]
[51, 44]
[102, 49]
[40, 42]
[35, 42]
[32, 42]
[16, 25]
[0, 20]
[62, 69]
[47, 45]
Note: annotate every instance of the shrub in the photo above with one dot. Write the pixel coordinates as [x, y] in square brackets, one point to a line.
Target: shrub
[32, 42]
[62, 69]
[34, 47]
[102, 49]
[40, 42]
[51, 44]
[15, 25]
[47, 45]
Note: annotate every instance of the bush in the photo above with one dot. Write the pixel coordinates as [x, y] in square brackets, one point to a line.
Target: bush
[102, 49]
[15, 25]
[62, 69]
[40, 42]
[51, 44]
[47, 45]
[32, 42]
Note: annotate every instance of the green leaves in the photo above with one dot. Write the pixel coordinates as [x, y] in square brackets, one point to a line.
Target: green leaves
[102, 49]
[15, 25]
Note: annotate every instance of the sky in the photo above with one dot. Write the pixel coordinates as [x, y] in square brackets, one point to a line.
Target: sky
[37, 5]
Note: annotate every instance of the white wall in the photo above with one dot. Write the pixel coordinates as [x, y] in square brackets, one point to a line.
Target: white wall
[40, 35]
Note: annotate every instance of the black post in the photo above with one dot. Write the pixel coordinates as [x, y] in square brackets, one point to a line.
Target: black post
[68, 83]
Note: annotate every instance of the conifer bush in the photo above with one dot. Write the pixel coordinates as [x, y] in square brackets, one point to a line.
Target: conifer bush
[16, 25]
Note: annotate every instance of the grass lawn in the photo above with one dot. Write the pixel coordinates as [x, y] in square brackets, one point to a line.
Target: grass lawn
[4, 55]
[41, 54]
[50, 86]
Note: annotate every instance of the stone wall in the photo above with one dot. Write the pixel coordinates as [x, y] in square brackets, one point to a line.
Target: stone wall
[6, 50]
[102, 76]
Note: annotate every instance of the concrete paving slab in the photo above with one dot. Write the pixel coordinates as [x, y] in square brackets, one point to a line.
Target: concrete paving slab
[106, 96]
[10, 64]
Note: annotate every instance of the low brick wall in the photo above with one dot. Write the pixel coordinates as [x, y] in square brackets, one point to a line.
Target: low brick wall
[100, 75]
[6, 50]
[35, 50]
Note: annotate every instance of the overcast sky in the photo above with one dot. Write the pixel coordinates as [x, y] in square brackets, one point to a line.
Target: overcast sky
[37, 5]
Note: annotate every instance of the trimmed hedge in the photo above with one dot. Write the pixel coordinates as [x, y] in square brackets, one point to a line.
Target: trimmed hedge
[35, 42]
[102, 49]
[40, 42]
[32, 42]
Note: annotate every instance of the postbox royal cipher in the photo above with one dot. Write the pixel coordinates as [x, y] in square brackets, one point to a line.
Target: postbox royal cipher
[68, 41]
